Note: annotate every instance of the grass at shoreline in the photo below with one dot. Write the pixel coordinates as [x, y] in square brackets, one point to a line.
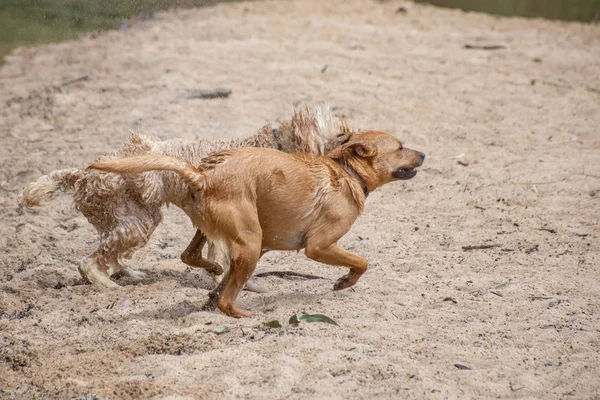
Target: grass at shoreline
[31, 22]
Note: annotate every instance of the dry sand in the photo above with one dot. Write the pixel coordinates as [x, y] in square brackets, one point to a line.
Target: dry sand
[523, 315]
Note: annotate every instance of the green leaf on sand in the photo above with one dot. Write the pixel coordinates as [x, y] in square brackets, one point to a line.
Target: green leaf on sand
[220, 329]
[295, 320]
[272, 324]
[268, 325]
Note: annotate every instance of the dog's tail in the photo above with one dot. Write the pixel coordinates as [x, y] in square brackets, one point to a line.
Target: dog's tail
[330, 126]
[154, 162]
[43, 188]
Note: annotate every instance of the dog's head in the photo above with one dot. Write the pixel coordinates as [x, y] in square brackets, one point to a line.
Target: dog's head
[378, 158]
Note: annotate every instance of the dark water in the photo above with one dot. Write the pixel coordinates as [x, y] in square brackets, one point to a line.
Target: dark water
[30, 22]
[567, 10]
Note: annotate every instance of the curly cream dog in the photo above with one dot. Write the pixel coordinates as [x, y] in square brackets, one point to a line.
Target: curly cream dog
[126, 210]
[249, 201]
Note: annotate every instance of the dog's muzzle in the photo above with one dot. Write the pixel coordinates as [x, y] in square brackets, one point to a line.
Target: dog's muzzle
[404, 173]
[409, 173]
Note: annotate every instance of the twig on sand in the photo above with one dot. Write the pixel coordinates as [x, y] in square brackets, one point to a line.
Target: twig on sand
[207, 94]
[450, 299]
[485, 47]
[463, 367]
[558, 85]
[590, 176]
[480, 247]
[72, 80]
[287, 275]
[534, 298]
[514, 389]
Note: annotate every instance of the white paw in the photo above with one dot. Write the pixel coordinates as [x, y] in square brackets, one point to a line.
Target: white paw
[254, 287]
[132, 273]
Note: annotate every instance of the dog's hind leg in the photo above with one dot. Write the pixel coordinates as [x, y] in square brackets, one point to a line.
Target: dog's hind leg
[132, 231]
[243, 263]
[213, 263]
[192, 255]
[244, 244]
[117, 269]
[130, 272]
[216, 256]
[95, 270]
[99, 266]
[121, 241]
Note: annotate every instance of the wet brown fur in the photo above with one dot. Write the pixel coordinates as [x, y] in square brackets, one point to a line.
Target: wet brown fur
[126, 209]
[250, 201]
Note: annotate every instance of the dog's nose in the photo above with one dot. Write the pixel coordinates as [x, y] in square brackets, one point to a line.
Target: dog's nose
[422, 156]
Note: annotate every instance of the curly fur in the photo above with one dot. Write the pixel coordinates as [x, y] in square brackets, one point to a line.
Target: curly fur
[125, 209]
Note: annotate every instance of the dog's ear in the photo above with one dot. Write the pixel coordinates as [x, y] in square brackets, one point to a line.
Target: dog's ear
[342, 138]
[361, 147]
[339, 140]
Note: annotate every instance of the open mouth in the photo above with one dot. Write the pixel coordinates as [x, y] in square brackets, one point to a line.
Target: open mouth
[404, 173]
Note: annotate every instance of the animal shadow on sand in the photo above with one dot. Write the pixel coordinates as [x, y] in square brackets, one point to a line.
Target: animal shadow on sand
[262, 303]
[184, 278]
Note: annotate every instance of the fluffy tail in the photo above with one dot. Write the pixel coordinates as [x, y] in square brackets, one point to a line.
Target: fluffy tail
[44, 188]
[154, 162]
[315, 130]
[330, 126]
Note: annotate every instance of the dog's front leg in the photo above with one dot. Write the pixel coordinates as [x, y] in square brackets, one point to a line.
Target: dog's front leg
[334, 255]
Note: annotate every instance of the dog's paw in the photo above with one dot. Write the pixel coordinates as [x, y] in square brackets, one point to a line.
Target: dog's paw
[254, 287]
[96, 278]
[343, 283]
[210, 305]
[237, 312]
[132, 273]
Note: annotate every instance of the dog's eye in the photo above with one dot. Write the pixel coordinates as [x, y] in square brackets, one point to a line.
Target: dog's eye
[192, 196]
[400, 148]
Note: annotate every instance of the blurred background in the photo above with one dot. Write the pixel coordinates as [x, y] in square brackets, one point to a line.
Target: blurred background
[29, 22]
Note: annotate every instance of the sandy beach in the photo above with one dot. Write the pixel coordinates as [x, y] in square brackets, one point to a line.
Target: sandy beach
[484, 269]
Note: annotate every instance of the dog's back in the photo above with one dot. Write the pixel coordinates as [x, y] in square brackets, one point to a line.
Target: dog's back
[46, 186]
[290, 193]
